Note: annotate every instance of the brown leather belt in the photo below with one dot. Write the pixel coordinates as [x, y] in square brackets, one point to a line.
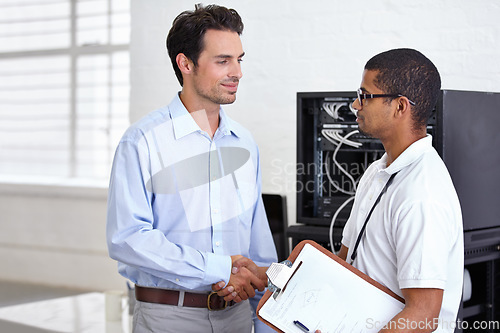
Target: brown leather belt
[171, 297]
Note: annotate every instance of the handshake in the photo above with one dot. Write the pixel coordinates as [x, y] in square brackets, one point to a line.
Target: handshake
[246, 277]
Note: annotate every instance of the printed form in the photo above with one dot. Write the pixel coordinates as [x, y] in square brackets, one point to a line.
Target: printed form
[324, 295]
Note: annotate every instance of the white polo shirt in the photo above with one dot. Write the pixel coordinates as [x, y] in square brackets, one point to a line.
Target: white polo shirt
[414, 238]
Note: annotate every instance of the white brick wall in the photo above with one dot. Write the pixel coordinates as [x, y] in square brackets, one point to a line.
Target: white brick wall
[55, 236]
[316, 45]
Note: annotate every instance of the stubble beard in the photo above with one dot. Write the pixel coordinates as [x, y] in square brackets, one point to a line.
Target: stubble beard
[216, 95]
[365, 132]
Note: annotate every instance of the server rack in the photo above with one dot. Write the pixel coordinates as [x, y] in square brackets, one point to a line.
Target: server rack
[464, 127]
[470, 149]
[322, 186]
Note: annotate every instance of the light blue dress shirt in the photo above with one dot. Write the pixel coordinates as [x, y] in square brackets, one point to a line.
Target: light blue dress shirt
[180, 203]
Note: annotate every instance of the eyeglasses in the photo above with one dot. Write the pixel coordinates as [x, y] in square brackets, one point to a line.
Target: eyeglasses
[362, 96]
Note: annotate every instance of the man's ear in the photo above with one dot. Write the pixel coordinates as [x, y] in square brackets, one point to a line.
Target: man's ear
[403, 106]
[185, 65]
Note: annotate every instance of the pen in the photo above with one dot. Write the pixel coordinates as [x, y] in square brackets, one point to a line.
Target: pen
[301, 326]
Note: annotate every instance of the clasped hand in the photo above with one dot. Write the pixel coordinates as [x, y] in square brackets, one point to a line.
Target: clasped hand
[246, 277]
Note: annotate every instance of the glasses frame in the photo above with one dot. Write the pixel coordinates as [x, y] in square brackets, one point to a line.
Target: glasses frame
[362, 96]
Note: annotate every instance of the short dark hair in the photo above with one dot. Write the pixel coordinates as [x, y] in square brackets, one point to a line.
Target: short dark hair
[408, 72]
[189, 27]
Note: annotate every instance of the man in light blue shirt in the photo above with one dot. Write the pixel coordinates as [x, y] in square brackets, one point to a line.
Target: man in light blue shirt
[185, 191]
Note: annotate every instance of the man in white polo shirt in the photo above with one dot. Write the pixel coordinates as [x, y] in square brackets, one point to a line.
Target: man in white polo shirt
[412, 241]
[405, 229]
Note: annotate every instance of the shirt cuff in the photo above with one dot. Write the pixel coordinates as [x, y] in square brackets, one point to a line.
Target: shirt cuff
[218, 268]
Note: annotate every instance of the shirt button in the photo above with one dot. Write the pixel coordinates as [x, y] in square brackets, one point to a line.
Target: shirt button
[177, 280]
[217, 243]
[215, 210]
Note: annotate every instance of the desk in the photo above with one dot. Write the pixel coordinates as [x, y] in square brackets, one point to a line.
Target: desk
[76, 314]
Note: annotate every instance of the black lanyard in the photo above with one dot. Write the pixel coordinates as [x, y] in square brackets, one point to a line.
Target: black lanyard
[362, 231]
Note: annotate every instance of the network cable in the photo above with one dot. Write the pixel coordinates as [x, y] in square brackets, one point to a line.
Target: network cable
[332, 182]
[334, 158]
[333, 109]
[333, 136]
[333, 221]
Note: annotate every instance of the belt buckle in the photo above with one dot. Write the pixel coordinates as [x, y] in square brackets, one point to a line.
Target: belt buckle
[210, 298]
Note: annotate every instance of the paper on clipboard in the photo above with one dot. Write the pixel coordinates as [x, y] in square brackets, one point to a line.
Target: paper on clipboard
[324, 295]
[279, 274]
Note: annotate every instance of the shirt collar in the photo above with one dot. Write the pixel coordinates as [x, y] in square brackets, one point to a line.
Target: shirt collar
[226, 125]
[184, 124]
[410, 155]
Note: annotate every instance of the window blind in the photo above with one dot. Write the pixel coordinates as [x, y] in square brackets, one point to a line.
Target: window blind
[64, 85]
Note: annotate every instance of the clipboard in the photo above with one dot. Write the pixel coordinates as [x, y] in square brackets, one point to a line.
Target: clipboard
[347, 270]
